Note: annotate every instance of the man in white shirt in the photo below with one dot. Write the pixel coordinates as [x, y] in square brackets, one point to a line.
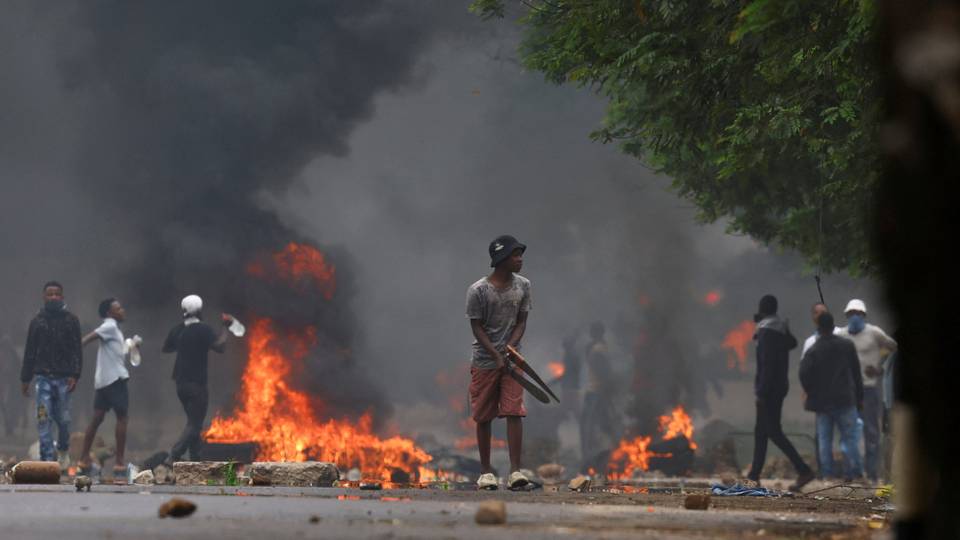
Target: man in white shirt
[110, 382]
[872, 345]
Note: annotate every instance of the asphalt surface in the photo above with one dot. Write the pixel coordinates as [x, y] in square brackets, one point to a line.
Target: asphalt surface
[130, 512]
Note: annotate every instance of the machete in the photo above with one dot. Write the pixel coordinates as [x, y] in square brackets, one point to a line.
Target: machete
[520, 361]
[528, 386]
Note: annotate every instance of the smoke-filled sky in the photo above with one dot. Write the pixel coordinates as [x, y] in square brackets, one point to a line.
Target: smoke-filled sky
[147, 150]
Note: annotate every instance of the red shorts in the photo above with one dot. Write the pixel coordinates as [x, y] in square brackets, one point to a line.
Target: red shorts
[494, 394]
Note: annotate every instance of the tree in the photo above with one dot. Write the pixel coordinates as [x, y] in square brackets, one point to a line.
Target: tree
[762, 112]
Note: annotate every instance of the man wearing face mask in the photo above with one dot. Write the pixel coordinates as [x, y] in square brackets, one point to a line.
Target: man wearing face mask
[52, 358]
[872, 345]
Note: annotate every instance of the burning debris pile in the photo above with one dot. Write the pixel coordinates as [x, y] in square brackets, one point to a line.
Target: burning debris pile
[673, 453]
[286, 422]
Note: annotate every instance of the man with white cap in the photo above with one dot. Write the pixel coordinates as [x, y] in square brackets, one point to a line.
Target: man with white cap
[192, 339]
[872, 345]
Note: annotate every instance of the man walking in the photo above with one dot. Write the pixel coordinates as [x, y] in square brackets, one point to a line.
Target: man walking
[830, 375]
[497, 306]
[192, 340]
[109, 382]
[871, 343]
[774, 343]
[598, 430]
[53, 359]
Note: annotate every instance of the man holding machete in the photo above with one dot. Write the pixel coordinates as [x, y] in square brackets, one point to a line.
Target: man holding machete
[497, 306]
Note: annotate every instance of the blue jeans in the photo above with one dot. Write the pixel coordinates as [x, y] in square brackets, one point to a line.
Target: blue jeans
[847, 421]
[53, 406]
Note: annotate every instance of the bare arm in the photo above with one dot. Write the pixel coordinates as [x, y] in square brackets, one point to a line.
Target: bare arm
[220, 344]
[90, 337]
[885, 341]
[484, 340]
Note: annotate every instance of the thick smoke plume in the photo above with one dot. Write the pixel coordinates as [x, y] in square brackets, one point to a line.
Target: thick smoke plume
[176, 118]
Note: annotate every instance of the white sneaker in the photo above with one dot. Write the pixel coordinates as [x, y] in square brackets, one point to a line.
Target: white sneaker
[487, 481]
[517, 480]
[64, 460]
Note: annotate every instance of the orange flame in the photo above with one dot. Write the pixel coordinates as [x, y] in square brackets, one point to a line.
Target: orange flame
[677, 423]
[633, 454]
[284, 423]
[736, 343]
[556, 369]
[712, 298]
[298, 264]
[630, 455]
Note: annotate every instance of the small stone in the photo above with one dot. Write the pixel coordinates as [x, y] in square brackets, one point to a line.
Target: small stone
[697, 502]
[550, 472]
[82, 482]
[162, 475]
[315, 519]
[176, 508]
[491, 513]
[579, 483]
[144, 478]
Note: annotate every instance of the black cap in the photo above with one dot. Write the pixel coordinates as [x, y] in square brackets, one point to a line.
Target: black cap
[502, 247]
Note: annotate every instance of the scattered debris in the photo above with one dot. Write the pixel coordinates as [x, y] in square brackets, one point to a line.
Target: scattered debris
[315, 519]
[371, 486]
[354, 475]
[36, 472]
[176, 508]
[551, 473]
[579, 483]
[742, 490]
[697, 502]
[144, 478]
[82, 482]
[162, 474]
[491, 513]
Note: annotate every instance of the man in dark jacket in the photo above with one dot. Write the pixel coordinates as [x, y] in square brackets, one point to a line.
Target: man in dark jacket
[774, 343]
[830, 375]
[53, 359]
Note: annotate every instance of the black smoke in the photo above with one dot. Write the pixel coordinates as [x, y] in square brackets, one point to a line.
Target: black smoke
[178, 118]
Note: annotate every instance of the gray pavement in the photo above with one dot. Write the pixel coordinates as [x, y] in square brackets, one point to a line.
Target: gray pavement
[35, 512]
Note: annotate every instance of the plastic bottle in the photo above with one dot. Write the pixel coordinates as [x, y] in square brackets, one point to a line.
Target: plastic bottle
[236, 328]
[132, 472]
[133, 346]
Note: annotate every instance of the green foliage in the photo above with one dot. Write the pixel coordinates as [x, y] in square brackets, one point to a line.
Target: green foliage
[763, 112]
[230, 474]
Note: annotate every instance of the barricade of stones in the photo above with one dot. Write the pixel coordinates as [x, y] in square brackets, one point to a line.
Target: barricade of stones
[264, 473]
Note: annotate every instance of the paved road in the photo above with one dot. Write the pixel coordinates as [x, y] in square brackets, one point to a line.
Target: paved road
[131, 514]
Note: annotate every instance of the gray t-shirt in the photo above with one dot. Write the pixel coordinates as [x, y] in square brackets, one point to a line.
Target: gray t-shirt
[497, 311]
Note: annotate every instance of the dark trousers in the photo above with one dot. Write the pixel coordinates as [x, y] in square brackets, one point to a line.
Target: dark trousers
[872, 407]
[193, 397]
[769, 410]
